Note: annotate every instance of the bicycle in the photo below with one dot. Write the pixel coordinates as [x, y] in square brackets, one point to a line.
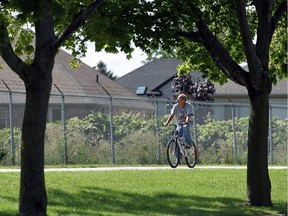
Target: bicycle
[177, 149]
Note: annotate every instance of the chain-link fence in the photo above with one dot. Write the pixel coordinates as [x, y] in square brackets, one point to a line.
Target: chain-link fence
[115, 130]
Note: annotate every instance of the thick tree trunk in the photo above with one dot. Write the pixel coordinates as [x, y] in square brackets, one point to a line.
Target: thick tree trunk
[33, 198]
[258, 182]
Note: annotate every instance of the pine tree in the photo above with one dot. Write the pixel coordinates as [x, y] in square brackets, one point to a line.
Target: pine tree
[102, 68]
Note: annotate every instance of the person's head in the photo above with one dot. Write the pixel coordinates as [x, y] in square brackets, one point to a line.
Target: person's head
[181, 99]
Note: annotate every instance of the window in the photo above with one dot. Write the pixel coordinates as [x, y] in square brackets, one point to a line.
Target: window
[141, 90]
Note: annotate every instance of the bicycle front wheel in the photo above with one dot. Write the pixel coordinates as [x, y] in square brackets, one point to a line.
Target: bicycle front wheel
[173, 153]
[191, 158]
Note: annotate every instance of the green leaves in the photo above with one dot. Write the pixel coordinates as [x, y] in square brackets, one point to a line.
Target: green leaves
[278, 55]
[20, 34]
[24, 42]
[166, 18]
[152, 26]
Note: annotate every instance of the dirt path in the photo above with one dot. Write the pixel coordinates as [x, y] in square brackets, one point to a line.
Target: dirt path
[139, 168]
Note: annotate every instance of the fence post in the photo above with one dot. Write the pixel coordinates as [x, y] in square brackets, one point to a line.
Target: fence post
[194, 126]
[111, 129]
[157, 130]
[234, 131]
[11, 121]
[63, 120]
[270, 135]
[111, 120]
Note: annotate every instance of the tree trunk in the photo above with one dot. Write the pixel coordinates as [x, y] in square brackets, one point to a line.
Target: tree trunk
[258, 182]
[33, 198]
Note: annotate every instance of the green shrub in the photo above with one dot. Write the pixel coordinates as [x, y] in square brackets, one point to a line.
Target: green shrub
[3, 154]
[136, 141]
[140, 147]
[88, 140]
[5, 146]
[54, 149]
[279, 141]
[215, 141]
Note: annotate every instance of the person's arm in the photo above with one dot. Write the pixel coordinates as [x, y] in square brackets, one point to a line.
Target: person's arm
[168, 120]
[188, 118]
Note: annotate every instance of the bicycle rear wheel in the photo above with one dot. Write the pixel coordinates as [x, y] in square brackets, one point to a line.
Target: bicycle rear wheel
[191, 158]
[173, 153]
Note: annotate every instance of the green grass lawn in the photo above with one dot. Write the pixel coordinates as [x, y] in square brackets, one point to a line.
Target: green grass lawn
[150, 192]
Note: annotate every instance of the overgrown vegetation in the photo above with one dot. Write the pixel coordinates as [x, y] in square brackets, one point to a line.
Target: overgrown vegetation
[136, 141]
[5, 146]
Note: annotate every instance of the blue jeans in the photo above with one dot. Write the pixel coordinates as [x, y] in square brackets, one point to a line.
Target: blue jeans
[184, 130]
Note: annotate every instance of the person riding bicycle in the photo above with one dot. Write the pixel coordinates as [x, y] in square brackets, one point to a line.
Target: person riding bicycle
[182, 110]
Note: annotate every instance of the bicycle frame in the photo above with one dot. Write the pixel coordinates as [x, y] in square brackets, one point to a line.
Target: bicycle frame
[180, 145]
[177, 150]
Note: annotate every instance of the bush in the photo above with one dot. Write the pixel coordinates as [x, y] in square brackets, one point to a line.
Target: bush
[279, 141]
[136, 141]
[3, 154]
[5, 146]
[139, 147]
[54, 149]
[215, 141]
[88, 140]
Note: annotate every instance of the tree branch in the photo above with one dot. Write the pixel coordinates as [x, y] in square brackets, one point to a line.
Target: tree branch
[79, 20]
[216, 50]
[7, 53]
[280, 11]
[264, 31]
[258, 56]
[193, 36]
[44, 34]
[248, 45]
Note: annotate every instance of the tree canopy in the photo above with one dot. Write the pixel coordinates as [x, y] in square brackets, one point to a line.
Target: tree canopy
[173, 27]
[156, 27]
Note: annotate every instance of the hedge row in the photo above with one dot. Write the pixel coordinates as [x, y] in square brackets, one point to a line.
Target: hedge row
[136, 141]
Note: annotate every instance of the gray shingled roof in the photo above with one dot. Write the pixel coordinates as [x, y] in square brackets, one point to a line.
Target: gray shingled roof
[151, 75]
[78, 82]
[83, 79]
[159, 71]
[231, 88]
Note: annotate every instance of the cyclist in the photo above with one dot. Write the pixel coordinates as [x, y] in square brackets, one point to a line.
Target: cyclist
[182, 110]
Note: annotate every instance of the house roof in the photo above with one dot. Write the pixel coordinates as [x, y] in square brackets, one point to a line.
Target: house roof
[157, 72]
[152, 75]
[231, 88]
[83, 79]
[79, 82]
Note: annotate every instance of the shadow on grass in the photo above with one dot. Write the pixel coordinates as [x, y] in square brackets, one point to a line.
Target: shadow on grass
[99, 201]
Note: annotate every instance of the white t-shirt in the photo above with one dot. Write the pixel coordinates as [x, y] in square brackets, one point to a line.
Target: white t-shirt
[181, 113]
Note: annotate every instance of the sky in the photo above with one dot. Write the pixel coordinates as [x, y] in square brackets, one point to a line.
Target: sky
[117, 63]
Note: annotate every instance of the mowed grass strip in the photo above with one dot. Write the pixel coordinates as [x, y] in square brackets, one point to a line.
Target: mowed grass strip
[149, 192]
